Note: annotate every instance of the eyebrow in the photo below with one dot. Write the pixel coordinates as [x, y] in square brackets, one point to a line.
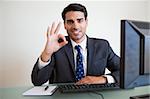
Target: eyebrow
[80, 19]
[76, 19]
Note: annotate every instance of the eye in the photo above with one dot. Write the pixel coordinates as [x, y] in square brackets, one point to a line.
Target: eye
[80, 20]
[70, 22]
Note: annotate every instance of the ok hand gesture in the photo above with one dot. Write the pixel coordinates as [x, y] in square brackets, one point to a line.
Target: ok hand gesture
[52, 44]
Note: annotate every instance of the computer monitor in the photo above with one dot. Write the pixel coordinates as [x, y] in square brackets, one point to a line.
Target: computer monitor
[135, 54]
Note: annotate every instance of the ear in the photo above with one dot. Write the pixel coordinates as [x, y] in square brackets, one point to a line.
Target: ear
[86, 21]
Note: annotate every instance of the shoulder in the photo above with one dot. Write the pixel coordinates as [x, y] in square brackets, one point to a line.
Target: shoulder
[99, 41]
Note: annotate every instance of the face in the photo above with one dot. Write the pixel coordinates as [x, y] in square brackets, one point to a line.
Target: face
[75, 25]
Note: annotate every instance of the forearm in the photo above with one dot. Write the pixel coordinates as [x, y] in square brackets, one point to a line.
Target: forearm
[40, 76]
[42, 64]
[93, 80]
[45, 57]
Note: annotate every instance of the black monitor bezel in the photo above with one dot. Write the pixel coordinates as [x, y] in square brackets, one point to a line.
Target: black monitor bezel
[140, 79]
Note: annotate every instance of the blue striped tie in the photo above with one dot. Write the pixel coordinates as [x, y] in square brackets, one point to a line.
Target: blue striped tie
[79, 64]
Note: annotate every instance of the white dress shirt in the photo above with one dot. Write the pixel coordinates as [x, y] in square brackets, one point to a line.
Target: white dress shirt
[83, 45]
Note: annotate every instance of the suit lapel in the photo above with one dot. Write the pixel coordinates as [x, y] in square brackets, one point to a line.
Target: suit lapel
[70, 55]
[90, 54]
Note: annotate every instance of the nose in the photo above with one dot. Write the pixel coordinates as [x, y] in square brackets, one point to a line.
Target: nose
[75, 25]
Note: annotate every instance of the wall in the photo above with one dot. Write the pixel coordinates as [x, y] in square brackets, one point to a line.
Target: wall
[0, 43]
[23, 27]
[148, 10]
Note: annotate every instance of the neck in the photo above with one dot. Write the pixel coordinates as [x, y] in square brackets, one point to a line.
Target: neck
[80, 40]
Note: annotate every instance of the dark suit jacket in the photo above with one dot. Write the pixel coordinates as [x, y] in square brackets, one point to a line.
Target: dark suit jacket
[61, 69]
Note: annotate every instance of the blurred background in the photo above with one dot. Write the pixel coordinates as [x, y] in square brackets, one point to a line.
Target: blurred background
[23, 26]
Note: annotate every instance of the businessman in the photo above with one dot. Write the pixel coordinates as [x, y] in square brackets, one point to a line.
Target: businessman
[75, 58]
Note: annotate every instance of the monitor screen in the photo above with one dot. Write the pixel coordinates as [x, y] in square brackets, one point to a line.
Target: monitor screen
[135, 54]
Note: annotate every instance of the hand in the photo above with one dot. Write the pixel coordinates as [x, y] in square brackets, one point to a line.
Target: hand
[52, 44]
[92, 80]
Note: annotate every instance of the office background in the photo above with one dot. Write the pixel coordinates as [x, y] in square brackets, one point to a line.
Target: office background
[23, 26]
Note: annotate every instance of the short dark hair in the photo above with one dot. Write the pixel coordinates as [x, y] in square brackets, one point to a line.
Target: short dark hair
[74, 7]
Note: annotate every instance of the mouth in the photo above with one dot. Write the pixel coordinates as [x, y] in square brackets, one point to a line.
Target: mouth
[76, 32]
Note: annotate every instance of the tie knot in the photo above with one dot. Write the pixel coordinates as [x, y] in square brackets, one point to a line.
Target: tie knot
[77, 47]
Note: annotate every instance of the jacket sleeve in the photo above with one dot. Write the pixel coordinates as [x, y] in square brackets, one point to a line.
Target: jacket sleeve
[41, 76]
[113, 64]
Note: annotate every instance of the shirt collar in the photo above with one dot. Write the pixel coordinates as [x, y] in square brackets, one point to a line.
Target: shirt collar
[82, 44]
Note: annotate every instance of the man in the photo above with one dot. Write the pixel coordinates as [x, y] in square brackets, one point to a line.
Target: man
[75, 58]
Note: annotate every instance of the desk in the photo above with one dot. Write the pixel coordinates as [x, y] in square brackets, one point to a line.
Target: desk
[16, 93]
